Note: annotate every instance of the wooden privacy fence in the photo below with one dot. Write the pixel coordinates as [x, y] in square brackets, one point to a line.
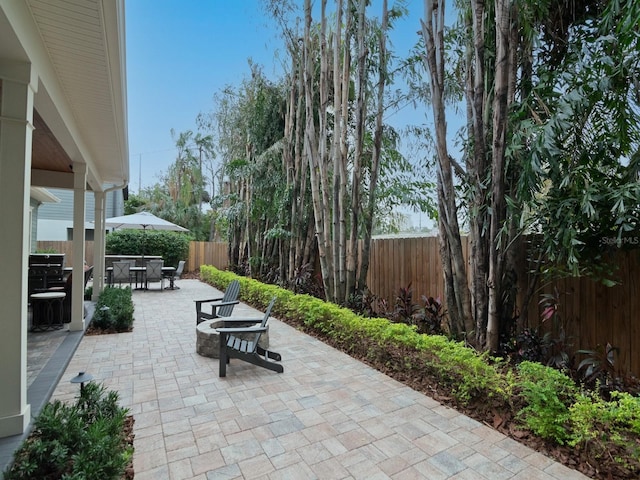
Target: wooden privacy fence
[66, 247]
[208, 253]
[591, 313]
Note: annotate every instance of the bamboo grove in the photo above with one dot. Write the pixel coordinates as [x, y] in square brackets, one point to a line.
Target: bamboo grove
[308, 168]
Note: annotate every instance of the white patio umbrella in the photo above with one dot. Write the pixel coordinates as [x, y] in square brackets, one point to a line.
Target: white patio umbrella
[143, 221]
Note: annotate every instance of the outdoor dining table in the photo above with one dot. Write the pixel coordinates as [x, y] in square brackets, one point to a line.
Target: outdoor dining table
[167, 272]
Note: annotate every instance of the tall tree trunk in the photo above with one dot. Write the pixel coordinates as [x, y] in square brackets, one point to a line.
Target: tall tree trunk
[345, 85]
[311, 152]
[477, 171]
[302, 178]
[290, 172]
[458, 299]
[340, 85]
[500, 103]
[356, 173]
[377, 152]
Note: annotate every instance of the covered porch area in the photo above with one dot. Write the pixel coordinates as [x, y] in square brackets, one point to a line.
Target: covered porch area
[62, 125]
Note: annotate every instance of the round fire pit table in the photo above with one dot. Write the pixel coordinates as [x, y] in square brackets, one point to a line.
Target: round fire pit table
[208, 338]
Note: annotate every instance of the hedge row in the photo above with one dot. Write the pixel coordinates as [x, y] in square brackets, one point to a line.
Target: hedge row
[544, 400]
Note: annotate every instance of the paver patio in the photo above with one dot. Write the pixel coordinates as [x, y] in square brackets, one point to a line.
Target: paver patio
[328, 416]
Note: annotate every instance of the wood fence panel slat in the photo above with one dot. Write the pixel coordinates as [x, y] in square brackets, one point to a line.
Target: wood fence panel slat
[594, 314]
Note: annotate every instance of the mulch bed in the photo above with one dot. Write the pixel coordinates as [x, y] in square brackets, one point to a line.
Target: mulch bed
[129, 436]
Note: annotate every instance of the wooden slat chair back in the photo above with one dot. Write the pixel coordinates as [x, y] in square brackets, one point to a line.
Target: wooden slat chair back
[246, 348]
[220, 307]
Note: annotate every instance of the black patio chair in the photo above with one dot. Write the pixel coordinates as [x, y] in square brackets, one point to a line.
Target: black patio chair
[241, 342]
[220, 307]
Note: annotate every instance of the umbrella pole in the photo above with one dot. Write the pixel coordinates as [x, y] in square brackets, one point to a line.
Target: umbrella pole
[144, 241]
[143, 273]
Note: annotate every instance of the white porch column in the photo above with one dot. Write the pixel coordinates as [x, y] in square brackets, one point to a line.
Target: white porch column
[77, 286]
[98, 245]
[18, 85]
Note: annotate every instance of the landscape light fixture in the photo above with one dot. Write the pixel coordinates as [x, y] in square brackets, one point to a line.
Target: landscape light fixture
[82, 378]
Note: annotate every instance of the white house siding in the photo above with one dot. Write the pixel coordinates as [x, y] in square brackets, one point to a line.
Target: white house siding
[55, 220]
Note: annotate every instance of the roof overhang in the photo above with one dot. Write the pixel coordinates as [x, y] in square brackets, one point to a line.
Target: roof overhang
[43, 195]
[77, 50]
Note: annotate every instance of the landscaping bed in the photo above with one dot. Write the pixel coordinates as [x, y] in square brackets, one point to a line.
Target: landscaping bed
[91, 439]
[536, 405]
[493, 412]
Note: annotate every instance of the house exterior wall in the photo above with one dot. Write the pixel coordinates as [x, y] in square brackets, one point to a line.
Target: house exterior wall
[55, 220]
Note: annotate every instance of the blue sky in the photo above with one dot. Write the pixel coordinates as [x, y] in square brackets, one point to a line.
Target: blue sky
[181, 52]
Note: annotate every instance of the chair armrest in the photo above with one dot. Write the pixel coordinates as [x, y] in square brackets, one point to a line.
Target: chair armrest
[242, 330]
[200, 302]
[209, 300]
[236, 321]
[222, 304]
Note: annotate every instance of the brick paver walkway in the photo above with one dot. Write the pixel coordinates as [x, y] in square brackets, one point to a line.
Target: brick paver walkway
[327, 416]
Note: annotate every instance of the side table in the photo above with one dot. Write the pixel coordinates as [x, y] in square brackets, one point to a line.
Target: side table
[47, 310]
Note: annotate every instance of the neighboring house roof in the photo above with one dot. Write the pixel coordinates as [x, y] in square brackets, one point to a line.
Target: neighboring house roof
[78, 49]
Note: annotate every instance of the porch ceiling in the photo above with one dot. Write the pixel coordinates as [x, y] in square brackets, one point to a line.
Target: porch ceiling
[78, 50]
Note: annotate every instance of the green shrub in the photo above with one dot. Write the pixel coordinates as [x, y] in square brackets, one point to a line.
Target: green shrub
[46, 250]
[596, 423]
[114, 310]
[548, 393]
[79, 441]
[463, 368]
[554, 408]
[171, 246]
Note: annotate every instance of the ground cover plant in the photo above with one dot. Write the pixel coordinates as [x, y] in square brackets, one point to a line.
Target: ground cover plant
[538, 405]
[91, 439]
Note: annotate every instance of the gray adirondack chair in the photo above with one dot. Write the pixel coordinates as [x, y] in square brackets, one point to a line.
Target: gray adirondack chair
[246, 348]
[220, 307]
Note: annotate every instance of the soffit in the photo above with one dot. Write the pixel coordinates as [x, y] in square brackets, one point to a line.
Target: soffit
[88, 62]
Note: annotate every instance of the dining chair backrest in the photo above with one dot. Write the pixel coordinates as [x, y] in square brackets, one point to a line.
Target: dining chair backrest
[180, 269]
[121, 272]
[154, 270]
[88, 271]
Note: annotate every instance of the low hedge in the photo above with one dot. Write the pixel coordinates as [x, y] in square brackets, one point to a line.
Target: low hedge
[114, 310]
[465, 370]
[544, 400]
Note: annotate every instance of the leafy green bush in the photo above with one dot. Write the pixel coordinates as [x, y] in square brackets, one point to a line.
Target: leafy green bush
[548, 394]
[46, 250]
[171, 246]
[464, 369]
[553, 409]
[78, 441]
[596, 423]
[114, 310]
